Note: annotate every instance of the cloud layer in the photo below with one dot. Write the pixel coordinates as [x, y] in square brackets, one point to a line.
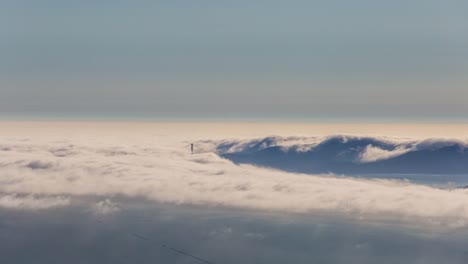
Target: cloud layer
[12, 201]
[58, 168]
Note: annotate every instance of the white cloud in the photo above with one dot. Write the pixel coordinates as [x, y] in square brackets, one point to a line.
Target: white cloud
[372, 153]
[13, 201]
[161, 168]
[106, 207]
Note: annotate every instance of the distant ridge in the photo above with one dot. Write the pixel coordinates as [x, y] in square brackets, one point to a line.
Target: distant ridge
[350, 155]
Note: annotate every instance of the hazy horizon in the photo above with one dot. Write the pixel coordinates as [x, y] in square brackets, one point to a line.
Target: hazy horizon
[175, 117]
[322, 59]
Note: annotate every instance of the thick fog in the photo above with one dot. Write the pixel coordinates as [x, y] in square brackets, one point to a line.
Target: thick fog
[120, 194]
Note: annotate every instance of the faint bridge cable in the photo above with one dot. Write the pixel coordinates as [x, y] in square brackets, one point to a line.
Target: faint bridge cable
[178, 251]
[164, 245]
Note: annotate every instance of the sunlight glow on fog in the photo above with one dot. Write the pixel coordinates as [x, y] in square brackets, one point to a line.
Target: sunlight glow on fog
[153, 161]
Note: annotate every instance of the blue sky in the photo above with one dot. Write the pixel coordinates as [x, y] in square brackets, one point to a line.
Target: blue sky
[235, 58]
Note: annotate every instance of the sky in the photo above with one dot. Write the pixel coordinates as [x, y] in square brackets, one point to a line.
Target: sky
[288, 59]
